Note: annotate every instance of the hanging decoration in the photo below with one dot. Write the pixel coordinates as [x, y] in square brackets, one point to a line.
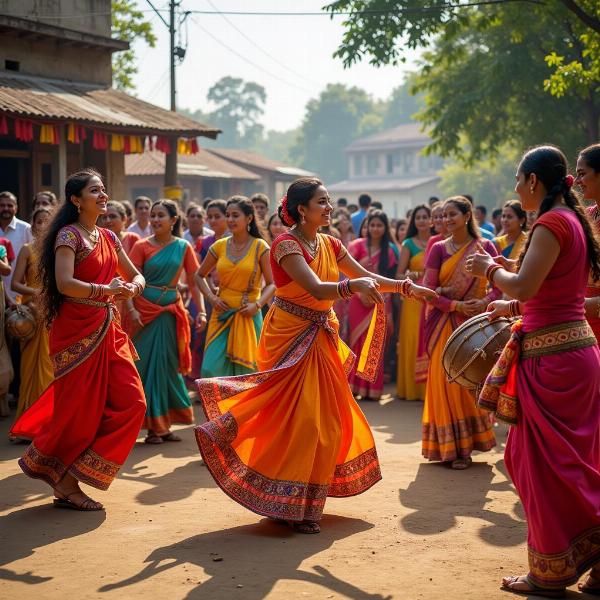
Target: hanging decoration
[49, 134]
[100, 140]
[162, 144]
[76, 133]
[134, 144]
[150, 143]
[3, 126]
[117, 142]
[187, 146]
[24, 130]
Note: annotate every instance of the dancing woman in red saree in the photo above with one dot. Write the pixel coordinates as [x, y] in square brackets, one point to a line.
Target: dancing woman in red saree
[547, 381]
[280, 441]
[85, 424]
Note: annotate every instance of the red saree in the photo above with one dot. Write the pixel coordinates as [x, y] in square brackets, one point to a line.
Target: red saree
[87, 421]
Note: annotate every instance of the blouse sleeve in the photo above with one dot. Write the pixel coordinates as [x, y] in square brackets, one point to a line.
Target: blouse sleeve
[115, 241]
[190, 261]
[136, 256]
[67, 236]
[263, 248]
[285, 247]
[338, 248]
[213, 250]
[558, 225]
[432, 277]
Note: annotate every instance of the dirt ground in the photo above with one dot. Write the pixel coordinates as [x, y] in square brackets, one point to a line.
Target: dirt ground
[423, 532]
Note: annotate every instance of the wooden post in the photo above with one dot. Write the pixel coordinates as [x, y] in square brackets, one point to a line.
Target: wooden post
[62, 159]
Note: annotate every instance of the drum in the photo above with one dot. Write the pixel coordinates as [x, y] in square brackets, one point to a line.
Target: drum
[473, 349]
[20, 322]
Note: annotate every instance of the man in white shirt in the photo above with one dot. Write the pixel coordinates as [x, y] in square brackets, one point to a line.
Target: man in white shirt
[13, 229]
[141, 225]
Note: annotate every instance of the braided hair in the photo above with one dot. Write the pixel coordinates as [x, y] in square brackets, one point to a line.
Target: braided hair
[550, 166]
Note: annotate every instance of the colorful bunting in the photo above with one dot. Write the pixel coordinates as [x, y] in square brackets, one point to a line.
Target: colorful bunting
[3, 126]
[49, 134]
[24, 130]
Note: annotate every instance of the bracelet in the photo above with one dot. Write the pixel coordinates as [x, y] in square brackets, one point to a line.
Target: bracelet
[514, 308]
[490, 272]
[203, 314]
[97, 291]
[343, 289]
[404, 287]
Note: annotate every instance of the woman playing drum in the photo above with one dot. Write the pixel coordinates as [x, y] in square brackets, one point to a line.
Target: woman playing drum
[548, 381]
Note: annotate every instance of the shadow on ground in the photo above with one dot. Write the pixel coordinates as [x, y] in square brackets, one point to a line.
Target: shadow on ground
[442, 496]
[235, 558]
[40, 526]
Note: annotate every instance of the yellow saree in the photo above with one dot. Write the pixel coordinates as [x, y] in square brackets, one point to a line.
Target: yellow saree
[281, 440]
[452, 425]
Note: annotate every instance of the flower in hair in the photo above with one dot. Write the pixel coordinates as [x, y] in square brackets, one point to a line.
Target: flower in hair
[569, 180]
[287, 219]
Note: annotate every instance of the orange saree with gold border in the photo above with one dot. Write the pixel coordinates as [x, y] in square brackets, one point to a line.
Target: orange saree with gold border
[281, 440]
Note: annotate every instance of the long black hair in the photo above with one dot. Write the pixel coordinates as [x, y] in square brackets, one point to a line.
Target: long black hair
[384, 245]
[65, 215]
[412, 230]
[247, 208]
[550, 167]
[299, 194]
[173, 209]
[465, 206]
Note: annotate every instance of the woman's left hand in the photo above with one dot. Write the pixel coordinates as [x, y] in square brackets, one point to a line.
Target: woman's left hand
[423, 293]
[201, 322]
[249, 310]
[477, 264]
[474, 307]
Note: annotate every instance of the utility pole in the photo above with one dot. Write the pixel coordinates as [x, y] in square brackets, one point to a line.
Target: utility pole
[171, 158]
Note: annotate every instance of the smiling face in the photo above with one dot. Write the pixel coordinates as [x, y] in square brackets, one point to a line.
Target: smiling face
[276, 227]
[40, 222]
[92, 199]
[317, 213]
[588, 180]
[531, 192]
[161, 221]
[437, 217]
[454, 219]
[237, 220]
[8, 208]
[510, 222]
[113, 220]
[422, 221]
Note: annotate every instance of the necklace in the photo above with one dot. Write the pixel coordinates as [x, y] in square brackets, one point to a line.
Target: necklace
[313, 247]
[239, 249]
[456, 248]
[94, 235]
[163, 243]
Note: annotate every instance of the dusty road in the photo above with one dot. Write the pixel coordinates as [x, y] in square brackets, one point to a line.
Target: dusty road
[168, 533]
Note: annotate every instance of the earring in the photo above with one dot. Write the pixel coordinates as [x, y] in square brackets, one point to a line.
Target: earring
[531, 190]
[248, 227]
[303, 221]
[78, 208]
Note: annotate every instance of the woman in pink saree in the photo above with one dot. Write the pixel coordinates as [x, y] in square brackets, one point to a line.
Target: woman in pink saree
[547, 381]
[375, 254]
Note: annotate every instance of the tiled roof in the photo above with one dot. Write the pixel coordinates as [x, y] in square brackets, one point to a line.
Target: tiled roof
[402, 135]
[381, 184]
[49, 100]
[203, 164]
[251, 159]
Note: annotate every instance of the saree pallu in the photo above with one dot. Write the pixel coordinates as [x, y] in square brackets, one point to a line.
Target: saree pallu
[552, 451]
[511, 250]
[88, 419]
[163, 344]
[280, 441]
[408, 341]
[232, 338]
[453, 426]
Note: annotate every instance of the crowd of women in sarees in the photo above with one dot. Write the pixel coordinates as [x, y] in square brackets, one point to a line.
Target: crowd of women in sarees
[546, 383]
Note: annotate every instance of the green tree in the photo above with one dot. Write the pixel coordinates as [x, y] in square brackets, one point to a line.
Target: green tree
[239, 107]
[338, 116]
[128, 24]
[484, 75]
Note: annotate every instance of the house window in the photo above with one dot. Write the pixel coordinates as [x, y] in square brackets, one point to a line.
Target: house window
[358, 164]
[389, 158]
[12, 65]
[372, 164]
[408, 162]
[424, 164]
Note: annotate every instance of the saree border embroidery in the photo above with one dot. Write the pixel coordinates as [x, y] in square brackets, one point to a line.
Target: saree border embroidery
[38, 465]
[94, 470]
[557, 339]
[74, 355]
[276, 498]
[319, 317]
[564, 568]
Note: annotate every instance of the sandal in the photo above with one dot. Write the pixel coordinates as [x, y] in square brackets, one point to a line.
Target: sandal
[88, 503]
[590, 588]
[170, 437]
[531, 590]
[153, 439]
[307, 527]
[460, 464]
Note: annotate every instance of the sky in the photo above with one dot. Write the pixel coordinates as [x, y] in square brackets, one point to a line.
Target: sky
[290, 56]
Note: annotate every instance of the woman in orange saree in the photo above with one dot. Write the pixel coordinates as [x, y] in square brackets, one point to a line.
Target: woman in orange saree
[85, 424]
[280, 441]
[453, 426]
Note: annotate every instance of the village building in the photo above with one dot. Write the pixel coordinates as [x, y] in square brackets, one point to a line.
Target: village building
[58, 111]
[390, 166]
